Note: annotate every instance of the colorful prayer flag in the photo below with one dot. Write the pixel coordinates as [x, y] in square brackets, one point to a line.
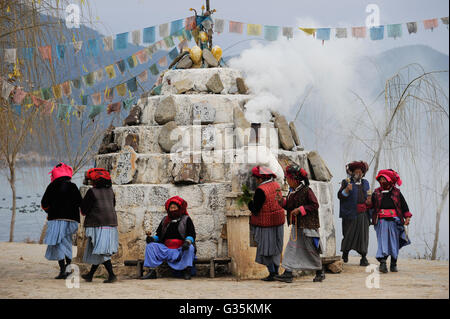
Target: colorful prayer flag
[164, 30]
[28, 53]
[98, 75]
[235, 27]
[88, 79]
[173, 53]
[176, 26]
[323, 34]
[46, 52]
[121, 89]
[132, 85]
[18, 95]
[359, 32]
[254, 29]
[154, 69]
[142, 56]
[60, 51]
[163, 61]
[93, 47]
[110, 71]
[132, 61]
[394, 30]
[309, 31]
[341, 33]
[108, 43]
[63, 111]
[96, 98]
[10, 56]
[271, 32]
[143, 76]
[46, 93]
[76, 83]
[288, 32]
[57, 92]
[219, 25]
[445, 21]
[136, 37]
[169, 42]
[412, 27]
[430, 24]
[128, 103]
[96, 110]
[109, 94]
[190, 23]
[121, 65]
[377, 33]
[66, 88]
[121, 41]
[77, 45]
[149, 35]
[114, 108]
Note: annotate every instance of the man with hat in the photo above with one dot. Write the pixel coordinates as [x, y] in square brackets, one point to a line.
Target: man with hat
[267, 220]
[354, 212]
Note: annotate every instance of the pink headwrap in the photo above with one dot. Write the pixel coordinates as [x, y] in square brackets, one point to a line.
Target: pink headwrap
[390, 175]
[61, 170]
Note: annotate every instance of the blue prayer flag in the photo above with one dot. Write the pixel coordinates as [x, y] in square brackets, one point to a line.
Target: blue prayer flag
[149, 35]
[132, 85]
[173, 53]
[176, 26]
[93, 47]
[394, 30]
[27, 53]
[323, 34]
[271, 32]
[377, 33]
[60, 51]
[121, 41]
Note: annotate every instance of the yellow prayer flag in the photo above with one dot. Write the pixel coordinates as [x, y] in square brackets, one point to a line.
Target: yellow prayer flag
[84, 68]
[57, 91]
[254, 29]
[310, 31]
[110, 71]
[122, 89]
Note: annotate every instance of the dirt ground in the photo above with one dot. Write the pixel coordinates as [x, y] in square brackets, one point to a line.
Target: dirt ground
[25, 273]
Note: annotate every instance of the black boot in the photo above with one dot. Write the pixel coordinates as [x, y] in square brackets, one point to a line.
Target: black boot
[320, 276]
[345, 256]
[270, 277]
[383, 267]
[363, 261]
[111, 277]
[88, 277]
[187, 273]
[62, 270]
[150, 275]
[393, 267]
[285, 277]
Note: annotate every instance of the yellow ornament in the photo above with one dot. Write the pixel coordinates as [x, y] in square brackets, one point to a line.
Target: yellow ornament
[217, 52]
[196, 54]
[203, 36]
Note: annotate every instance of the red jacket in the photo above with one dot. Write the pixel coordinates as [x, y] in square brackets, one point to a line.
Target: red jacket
[271, 213]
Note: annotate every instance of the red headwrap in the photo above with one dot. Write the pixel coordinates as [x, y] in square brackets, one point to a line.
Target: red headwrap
[363, 166]
[263, 172]
[95, 174]
[390, 175]
[296, 172]
[182, 208]
[61, 170]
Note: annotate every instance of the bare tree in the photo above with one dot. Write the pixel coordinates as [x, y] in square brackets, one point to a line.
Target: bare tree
[411, 127]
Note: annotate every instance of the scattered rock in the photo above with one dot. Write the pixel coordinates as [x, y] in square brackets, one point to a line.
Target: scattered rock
[166, 111]
[183, 86]
[284, 132]
[178, 58]
[108, 145]
[215, 84]
[134, 117]
[241, 87]
[169, 136]
[203, 113]
[185, 62]
[133, 141]
[336, 267]
[320, 170]
[294, 133]
[210, 59]
[242, 126]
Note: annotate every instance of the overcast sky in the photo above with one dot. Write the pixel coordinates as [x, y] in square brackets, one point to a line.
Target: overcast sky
[117, 16]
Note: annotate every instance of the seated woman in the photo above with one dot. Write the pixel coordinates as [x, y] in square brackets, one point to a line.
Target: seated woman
[173, 242]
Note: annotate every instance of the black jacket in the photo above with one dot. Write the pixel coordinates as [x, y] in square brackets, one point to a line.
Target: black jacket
[98, 206]
[62, 200]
